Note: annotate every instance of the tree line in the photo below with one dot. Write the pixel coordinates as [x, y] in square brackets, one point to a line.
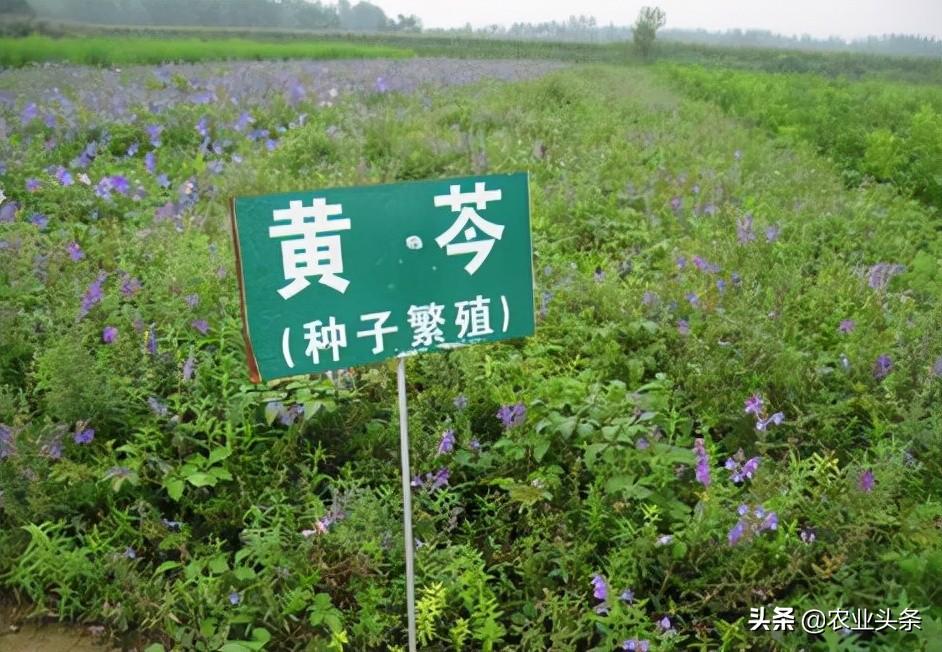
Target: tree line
[284, 14]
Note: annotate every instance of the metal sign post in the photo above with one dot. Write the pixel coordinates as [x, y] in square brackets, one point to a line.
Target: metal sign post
[340, 277]
[406, 499]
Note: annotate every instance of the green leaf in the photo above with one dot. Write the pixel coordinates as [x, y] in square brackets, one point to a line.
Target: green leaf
[174, 487]
[166, 566]
[244, 573]
[540, 449]
[218, 454]
[154, 647]
[218, 564]
[202, 480]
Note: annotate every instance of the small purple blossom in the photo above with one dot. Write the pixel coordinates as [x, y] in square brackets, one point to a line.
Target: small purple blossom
[130, 553]
[754, 405]
[636, 645]
[512, 415]
[937, 368]
[882, 367]
[847, 326]
[130, 286]
[776, 419]
[39, 220]
[64, 177]
[93, 294]
[866, 481]
[736, 533]
[192, 300]
[627, 596]
[474, 444]
[200, 325]
[84, 436]
[599, 588]
[683, 327]
[447, 443]
[744, 231]
[807, 535]
[461, 402]
[235, 598]
[880, 275]
[703, 462]
[33, 185]
[75, 251]
[188, 367]
[676, 203]
[772, 232]
[381, 86]
[109, 334]
[154, 132]
[152, 340]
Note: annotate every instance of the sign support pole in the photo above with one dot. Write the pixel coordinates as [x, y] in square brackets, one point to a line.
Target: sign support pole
[406, 499]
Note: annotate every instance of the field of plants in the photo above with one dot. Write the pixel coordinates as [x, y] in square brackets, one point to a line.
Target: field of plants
[731, 399]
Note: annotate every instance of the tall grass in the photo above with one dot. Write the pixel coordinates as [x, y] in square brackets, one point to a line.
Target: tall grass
[107, 50]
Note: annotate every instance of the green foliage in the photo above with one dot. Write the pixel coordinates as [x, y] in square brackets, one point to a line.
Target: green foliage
[226, 516]
[891, 132]
[114, 51]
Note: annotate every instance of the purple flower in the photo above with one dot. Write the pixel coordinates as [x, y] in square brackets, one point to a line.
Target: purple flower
[163, 181]
[84, 436]
[32, 185]
[642, 444]
[636, 645]
[775, 419]
[754, 405]
[153, 132]
[188, 366]
[807, 535]
[150, 162]
[381, 85]
[235, 598]
[648, 298]
[847, 326]
[474, 444]
[8, 212]
[676, 203]
[53, 448]
[599, 588]
[693, 299]
[512, 415]
[6, 441]
[865, 481]
[681, 262]
[440, 479]
[736, 533]
[703, 462]
[75, 251]
[200, 325]
[461, 401]
[879, 275]
[937, 368]
[627, 596]
[130, 553]
[683, 327]
[882, 367]
[130, 286]
[772, 232]
[93, 294]
[39, 220]
[664, 623]
[109, 334]
[287, 417]
[120, 184]
[152, 340]
[192, 300]
[64, 177]
[447, 443]
[133, 149]
[744, 230]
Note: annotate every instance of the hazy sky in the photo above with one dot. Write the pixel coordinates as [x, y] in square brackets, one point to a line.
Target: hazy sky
[819, 18]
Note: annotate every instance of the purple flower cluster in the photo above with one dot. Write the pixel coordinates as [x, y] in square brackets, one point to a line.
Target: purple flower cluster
[866, 481]
[756, 407]
[636, 645]
[752, 522]
[740, 468]
[93, 294]
[882, 367]
[432, 481]
[447, 442]
[703, 462]
[512, 415]
[7, 448]
[880, 275]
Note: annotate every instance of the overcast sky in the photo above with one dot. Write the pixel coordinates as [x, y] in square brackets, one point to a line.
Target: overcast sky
[819, 18]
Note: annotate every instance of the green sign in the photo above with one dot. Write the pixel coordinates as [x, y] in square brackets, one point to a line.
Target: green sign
[348, 276]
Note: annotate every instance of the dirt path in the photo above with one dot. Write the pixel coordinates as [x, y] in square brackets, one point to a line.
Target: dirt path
[45, 637]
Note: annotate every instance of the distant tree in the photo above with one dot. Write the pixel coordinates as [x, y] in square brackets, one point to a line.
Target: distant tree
[18, 8]
[650, 19]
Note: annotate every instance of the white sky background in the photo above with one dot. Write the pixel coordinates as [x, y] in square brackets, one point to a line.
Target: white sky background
[819, 18]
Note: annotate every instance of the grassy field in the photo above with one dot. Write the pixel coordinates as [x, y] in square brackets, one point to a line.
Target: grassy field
[731, 399]
[110, 51]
